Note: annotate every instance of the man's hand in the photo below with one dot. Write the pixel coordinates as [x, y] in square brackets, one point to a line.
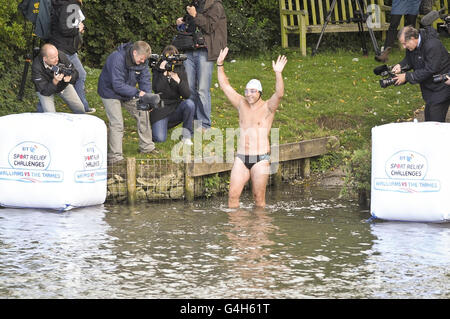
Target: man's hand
[192, 11]
[180, 21]
[448, 80]
[222, 55]
[396, 69]
[279, 65]
[400, 79]
[67, 78]
[81, 27]
[57, 78]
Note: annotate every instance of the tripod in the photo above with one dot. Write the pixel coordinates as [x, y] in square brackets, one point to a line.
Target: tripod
[360, 18]
[28, 60]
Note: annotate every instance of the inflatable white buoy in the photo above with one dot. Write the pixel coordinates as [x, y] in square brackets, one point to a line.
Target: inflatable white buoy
[52, 160]
[410, 172]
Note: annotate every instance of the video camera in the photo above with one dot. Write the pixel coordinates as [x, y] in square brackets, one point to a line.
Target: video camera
[446, 25]
[172, 61]
[386, 72]
[433, 15]
[61, 68]
[149, 101]
[440, 78]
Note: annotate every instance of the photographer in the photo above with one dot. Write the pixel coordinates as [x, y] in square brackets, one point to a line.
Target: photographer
[170, 81]
[427, 56]
[52, 73]
[124, 69]
[66, 35]
[209, 16]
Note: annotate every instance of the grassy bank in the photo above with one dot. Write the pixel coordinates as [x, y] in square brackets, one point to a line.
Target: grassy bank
[333, 93]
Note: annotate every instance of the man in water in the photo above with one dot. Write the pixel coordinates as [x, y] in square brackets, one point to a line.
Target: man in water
[255, 121]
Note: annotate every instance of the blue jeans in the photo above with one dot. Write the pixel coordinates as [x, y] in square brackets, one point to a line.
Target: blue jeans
[199, 72]
[79, 84]
[184, 113]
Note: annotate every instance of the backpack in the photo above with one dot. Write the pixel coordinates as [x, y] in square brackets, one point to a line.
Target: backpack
[39, 13]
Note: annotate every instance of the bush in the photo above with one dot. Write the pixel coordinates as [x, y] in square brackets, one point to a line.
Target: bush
[111, 23]
[358, 175]
[11, 33]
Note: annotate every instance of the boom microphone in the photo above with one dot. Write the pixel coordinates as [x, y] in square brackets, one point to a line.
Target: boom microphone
[150, 98]
[429, 18]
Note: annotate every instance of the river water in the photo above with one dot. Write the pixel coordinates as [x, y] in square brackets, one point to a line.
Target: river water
[307, 243]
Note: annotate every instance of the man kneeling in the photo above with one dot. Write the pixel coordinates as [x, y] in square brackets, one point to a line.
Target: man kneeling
[255, 121]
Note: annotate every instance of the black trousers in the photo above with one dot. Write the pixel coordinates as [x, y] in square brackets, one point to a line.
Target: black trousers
[436, 111]
[392, 32]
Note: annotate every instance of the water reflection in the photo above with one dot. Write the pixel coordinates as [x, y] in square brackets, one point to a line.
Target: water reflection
[306, 243]
[410, 260]
[251, 255]
[46, 254]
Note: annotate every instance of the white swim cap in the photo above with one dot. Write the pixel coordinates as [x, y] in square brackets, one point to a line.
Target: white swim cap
[254, 84]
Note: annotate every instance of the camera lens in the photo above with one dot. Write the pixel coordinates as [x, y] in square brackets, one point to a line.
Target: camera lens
[439, 78]
[384, 83]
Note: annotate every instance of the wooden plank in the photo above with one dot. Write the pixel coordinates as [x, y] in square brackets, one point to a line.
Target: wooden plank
[305, 149]
[350, 8]
[336, 11]
[312, 9]
[305, 9]
[347, 27]
[286, 152]
[291, 17]
[208, 166]
[344, 12]
[321, 18]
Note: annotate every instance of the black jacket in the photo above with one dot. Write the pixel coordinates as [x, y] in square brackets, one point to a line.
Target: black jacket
[172, 93]
[64, 36]
[212, 21]
[428, 59]
[43, 77]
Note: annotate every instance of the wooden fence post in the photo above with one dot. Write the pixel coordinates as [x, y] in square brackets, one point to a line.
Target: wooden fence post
[131, 180]
[277, 178]
[305, 167]
[188, 182]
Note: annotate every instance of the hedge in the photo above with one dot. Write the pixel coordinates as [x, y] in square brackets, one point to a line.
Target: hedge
[109, 23]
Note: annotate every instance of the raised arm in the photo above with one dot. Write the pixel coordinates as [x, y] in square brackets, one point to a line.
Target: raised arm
[234, 97]
[275, 99]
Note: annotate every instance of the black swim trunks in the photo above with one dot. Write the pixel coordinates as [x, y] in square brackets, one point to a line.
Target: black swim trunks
[250, 160]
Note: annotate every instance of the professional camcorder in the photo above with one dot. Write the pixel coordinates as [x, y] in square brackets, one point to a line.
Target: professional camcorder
[149, 101]
[172, 61]
[446, 25]
[433, 15]
[61, 68]
[386, 72]
[440, 78]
